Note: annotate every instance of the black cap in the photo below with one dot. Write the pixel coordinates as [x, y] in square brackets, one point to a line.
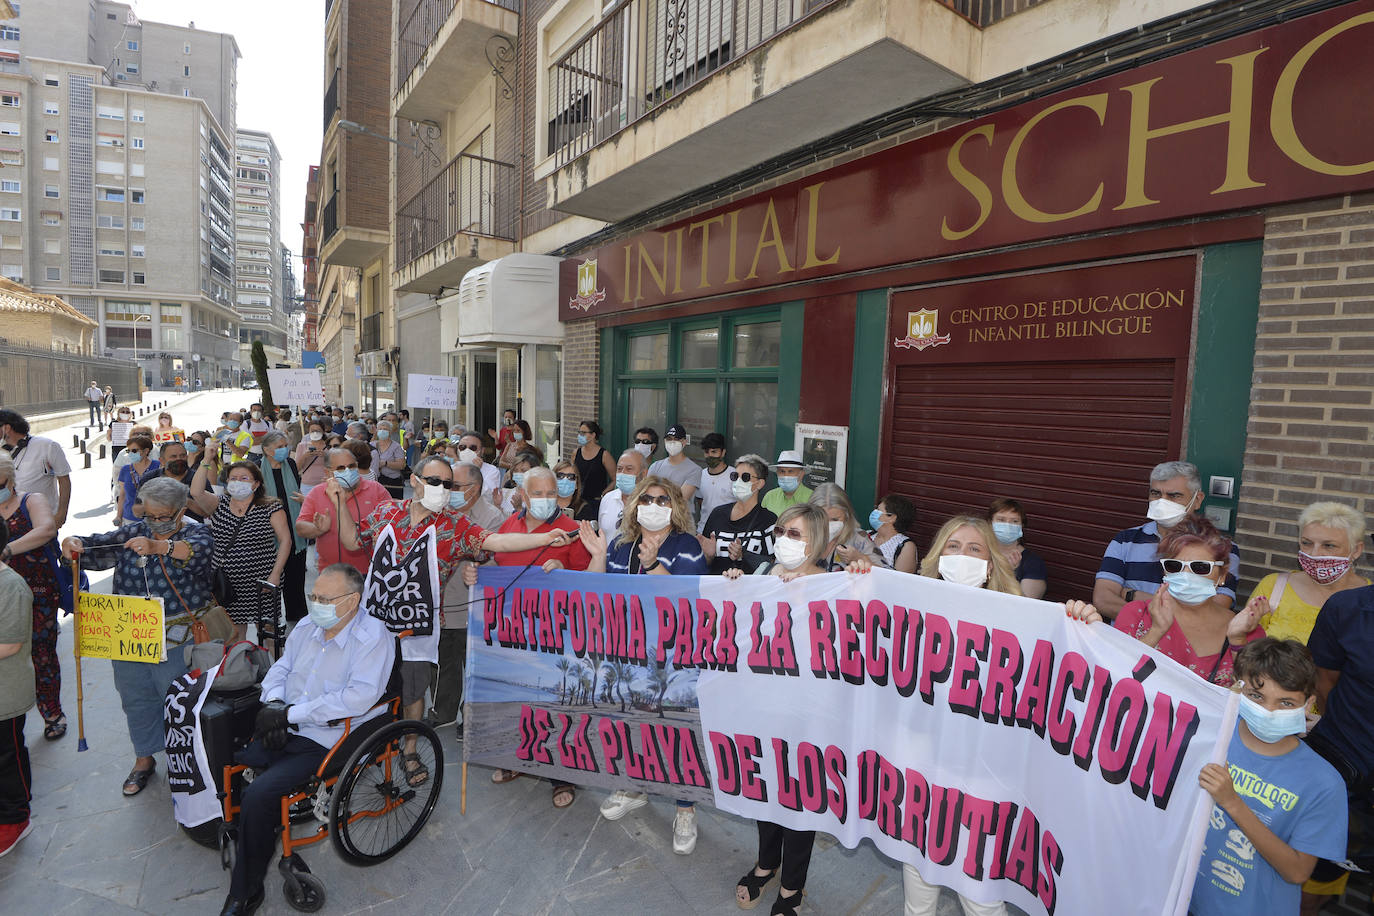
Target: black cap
[675, 432]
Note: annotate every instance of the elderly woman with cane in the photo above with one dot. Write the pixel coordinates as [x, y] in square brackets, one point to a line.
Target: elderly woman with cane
[162, 555]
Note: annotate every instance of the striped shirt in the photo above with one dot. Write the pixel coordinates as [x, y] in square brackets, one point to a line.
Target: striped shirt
[680, 553]
[1132, 561]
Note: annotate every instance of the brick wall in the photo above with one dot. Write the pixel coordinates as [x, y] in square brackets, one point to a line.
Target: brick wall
[1313, 389]
[581, 367]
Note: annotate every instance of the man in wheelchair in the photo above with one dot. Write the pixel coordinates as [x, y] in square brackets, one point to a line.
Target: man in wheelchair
[336, 664]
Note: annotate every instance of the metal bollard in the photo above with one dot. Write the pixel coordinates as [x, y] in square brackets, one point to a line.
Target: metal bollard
[102, 452]
[76, 441]
[88, 459]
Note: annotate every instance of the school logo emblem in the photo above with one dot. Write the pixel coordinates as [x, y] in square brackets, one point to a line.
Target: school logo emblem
[587, 293]
[921, 331]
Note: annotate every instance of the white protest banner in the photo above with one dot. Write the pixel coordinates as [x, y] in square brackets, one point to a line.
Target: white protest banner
[437, 392]
[404, 592]
[195, 790]
[296, 387]
[1006, 751]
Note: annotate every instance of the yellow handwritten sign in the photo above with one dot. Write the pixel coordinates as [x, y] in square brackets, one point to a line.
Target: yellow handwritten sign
[121, 628]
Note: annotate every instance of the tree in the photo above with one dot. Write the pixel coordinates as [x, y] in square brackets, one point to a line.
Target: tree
[564, 666]
[660, 680]
[585, 681]
[624, 676]
[608, 684]
[260, 370]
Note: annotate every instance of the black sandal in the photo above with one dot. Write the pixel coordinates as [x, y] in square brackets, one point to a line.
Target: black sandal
[787, 906]
[55, 728]
[754, 885]
[416, 775]
[137, 780]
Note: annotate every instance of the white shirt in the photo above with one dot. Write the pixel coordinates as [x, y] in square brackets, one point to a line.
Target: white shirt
[608, 517]
[37, 467]
[714, 490]
[491, 477]
[94, 394]
[324, 679]
[256, 427]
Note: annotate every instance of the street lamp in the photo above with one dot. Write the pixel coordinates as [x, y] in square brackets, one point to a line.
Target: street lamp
[137, 368]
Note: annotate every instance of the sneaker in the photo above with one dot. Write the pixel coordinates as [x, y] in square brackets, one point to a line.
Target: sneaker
[459, 731]
[11, 834]
[620, 803]
[685, 831]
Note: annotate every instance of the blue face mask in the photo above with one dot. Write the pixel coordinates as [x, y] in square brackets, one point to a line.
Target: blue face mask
[581, 438]
[875, 519]
[192, 448]
[788, 484]
[322, 615]
[1272, 725]
[1007, 532]
[5, 494]
[383, 434]
[457, 499]
[543, 507]
[626, 483]
[1190, 588]
[348, 477]
[566, 487]
[232, 424]
[519, 478]
[280, 452]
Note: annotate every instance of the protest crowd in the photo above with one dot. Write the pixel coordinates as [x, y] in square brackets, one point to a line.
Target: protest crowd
[266, 528]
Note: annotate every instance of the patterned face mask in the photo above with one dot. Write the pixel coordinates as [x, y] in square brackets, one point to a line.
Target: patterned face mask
[1324, 570]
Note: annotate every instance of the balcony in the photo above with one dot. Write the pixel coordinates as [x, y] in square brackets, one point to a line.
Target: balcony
[331, 99]
[465, 216]
[370, 335]
[442, 51]
[660, 100]
[344, 244]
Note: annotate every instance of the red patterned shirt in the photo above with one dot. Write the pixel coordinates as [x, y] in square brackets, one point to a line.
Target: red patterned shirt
[458, 538]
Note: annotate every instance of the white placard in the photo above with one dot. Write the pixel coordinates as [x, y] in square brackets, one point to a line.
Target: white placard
[296, 387]
[437, 392]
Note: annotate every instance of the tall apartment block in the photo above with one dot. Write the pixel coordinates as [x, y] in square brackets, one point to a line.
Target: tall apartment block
[115, 137]
[259, 280]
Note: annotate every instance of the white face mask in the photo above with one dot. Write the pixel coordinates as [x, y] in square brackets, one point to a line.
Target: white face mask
[467, 456]
[316, 437]
[435, 498]
[972, 571]
[644, 448]
[257, 415]
[1166, 513]
[654, 517]
[673, 448]
[741, 489]
[835, 529]
[790, 552]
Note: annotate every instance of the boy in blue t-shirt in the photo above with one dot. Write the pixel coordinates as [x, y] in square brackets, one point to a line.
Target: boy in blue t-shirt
[1281, 806]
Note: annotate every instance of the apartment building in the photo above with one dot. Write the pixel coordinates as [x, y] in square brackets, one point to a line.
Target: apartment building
[310, 280]
[112, 167]
[960, 250]
[356, 326]
[260, 284]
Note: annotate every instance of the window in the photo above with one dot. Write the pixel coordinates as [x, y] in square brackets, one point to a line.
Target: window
[171, 339]
[9, 100]
[131, 45]
[9, 128]
[9, 33]
[13, 272]
[111, 276]
[185, 49]
[116, 310]
[51, 191]
[50, 81]
[136, 114]
[136, 142]
[111, 194]
[138, 279]
[112, 252]
[54, 273]
[123, 338]
[109, 140]
[131, 68]
[109, 112]
[120, 76]
[186, 93]
[135, 170]
[136, 223]
[136, 251]
[109, 221]
[50, 163]
[170, 312]
[9, 186]
[11, 214]
[52, 219]
[11, 157]
[111, 16]
[186, 70]
[135, 197]
[109, 167]
[51, 108]
[52, 246]
[49, 136]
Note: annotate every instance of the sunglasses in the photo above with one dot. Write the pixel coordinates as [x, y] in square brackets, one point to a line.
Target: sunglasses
[572, 477]
[744, 476]
[644, 442]
[441, 482]
[664, 500]
[467, 448]
[1200, 567]
[795, 534]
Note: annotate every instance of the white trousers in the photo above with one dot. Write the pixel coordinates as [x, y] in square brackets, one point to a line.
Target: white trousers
[922, 899]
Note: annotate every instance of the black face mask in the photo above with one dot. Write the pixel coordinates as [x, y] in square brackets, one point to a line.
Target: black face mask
[178, 467]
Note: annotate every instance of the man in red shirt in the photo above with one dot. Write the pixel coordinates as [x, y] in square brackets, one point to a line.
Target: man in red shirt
[319, 512]
[457, 539]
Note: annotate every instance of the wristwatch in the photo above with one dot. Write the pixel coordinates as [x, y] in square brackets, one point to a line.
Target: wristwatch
[1130, 595]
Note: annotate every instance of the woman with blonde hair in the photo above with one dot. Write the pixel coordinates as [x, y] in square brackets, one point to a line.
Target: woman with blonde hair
[964, 551]
[1330, 540]
[847, 540]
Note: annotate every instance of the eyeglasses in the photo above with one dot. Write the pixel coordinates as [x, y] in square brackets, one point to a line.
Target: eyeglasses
[1200, 567]
[345, 467]
[160, 518]
[644, 442]
[441, 482]
[323, 600]
[467, 448]
[663, 500]
[572, 477]
[795, 534]
[744, 476]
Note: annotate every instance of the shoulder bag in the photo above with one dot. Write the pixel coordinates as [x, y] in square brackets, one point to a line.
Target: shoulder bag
[220, 586]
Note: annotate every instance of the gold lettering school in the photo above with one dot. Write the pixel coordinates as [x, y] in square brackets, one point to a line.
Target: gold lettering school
[1236, 120]
[1248, 785]
[656, 265]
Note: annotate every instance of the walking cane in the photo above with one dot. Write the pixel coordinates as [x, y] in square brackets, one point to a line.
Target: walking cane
[76, 651]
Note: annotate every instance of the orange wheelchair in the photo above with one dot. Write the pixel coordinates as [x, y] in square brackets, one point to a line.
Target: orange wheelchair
[359, 796]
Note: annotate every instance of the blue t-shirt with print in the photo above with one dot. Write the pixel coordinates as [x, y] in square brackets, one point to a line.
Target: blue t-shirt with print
[1301, 798]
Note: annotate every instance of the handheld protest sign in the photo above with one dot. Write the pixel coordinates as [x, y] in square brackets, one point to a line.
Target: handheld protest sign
[122, 628]
[76, 652]
[404, 594]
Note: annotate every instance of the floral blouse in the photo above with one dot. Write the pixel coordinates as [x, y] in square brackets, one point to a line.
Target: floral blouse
[190, 577]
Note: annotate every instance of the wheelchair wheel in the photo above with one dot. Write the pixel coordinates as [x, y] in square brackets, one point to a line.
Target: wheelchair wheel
[304, 892]
[375, 811]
